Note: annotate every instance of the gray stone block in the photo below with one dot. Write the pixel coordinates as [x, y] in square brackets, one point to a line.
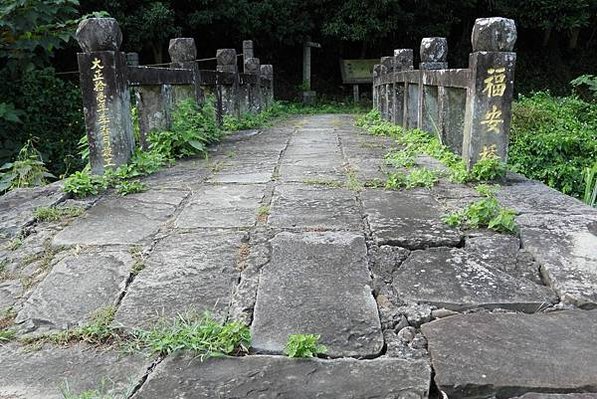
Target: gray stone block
[482, 355]
[182, 49]
[99, 34]
[254, 377]
[318, 283]
[434, 49]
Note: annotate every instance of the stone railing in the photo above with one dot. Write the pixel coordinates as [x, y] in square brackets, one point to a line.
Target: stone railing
[108, 76]
[468, 109]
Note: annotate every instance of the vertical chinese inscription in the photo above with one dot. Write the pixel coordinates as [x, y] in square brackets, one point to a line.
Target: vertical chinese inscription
[99, 87]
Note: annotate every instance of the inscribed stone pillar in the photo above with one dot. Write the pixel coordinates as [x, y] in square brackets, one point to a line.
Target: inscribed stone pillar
[183, 54]
[105, 92]
[388, 63]
[403, 61]
[434, 53]
[253, 68]
[228, 81]
[489, 103]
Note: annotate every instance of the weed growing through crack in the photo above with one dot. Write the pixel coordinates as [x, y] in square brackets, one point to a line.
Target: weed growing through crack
[55, 214]
[138, 260]
[323, 182]
[486, 212]
[126, 187]
[203, 336]
[7, 317]
[105, 391]
[304, 345]
[417, 177]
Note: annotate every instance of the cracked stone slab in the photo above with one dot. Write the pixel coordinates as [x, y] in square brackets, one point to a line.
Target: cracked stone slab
[254, 377]
[76, 288]
[317, 283]
[313, 166]
[311, 206]
[185, 272]
[458, 280]
[223, 205]
[481, 355]
[407, 219]
[42, 374]
[247, 171]
[565, 246]
[17, 206]
[122, 220]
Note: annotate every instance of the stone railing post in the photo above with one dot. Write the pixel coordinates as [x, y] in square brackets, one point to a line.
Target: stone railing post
[267, 75]
[489, 100]
[227, 85]
[183, 54]
[434, 55]
[388, 64]
[106, 97]
[375, 90]
[247, 52]
[403, 61]
[381, 94]
[252, 67]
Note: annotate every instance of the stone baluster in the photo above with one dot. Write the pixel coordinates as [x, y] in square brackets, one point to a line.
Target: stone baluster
[252, 67]
[267, 76]
[489, 101]
[183, 54]
[375, 90]
[105, 92]
[227, 85]
[403, 61]
[434, 55]
[388, 64]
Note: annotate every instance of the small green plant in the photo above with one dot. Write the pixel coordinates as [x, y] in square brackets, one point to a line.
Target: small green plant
[323, 182]
[7, 335]
[55, 214]
[590, 179]
[401, 159]
[263, 211]
[105, 391]
[304, 345]
[84, 184]
[28, 170]
[489, 167]
[7, 317]
[139, 261]
[486, 212]
[202, 335]
[417, 177]
[126, 187]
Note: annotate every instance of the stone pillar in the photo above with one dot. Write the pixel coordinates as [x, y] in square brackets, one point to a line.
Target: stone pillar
[253, 68]
[388, 64]
[132, 59]
[434, 53]
[183, 54]
[375, 87]
[247, 51]
[403, 61]
[308, 95]
[381, 94]
[489, 101]
[106, 96]
[228, 81]
[267, 80]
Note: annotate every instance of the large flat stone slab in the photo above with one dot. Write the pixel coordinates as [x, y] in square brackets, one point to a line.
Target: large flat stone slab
[42, 374]
[565, 246]
[407, 219]
[185, 272]
[122, 220]
[316, 207]
[318, 283]
[75, 289]
[480, 355]
[456, 279]
[254, 377]
[298, 168]
[226, 205]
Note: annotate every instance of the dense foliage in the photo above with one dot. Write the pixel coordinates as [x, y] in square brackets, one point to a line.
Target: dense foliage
[554, 139]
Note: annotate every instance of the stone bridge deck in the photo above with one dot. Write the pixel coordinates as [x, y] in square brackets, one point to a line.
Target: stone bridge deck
[277, 229]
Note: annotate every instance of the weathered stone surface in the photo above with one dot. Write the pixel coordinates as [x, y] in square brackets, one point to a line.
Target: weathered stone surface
[458, 280]
[17, 206]
[407, 219]
[278, 377]
[493, 34]
[434, 49]
[310, 206]
[245, 169]
[566, 249]
[403, 59]
[535, 395]
[317, 283]
[9, 293]
[385, 261]
[480, 355]
[122, 220]
[76, 288]
[226, 56]
[222, 206]
[44, 373]
[99, 34]
[182, 49]
[252, 66]
[185, 272]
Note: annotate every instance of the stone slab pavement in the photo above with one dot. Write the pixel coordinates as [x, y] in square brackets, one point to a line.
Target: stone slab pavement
[279, 229]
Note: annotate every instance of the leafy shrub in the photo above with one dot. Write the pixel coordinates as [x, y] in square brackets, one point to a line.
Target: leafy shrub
[304, 345]
[50, 110]
[28, 170]
[84, 184]
[590, 178]
[489, 167]
[554, 139]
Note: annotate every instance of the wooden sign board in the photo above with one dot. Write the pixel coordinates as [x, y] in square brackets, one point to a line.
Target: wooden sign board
[357, 71]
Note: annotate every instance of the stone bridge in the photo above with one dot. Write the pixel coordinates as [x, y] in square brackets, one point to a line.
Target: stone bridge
[278, 229]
